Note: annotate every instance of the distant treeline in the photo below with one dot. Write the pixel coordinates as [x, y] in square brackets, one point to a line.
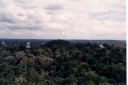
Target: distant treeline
[43, 41]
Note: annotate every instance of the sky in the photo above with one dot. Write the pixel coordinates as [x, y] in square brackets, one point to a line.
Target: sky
[63, 19]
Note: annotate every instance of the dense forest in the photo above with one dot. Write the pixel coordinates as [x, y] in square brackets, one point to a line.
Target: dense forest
[60, 62]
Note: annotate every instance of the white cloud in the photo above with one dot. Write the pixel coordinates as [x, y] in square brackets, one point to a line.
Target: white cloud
[63, 19]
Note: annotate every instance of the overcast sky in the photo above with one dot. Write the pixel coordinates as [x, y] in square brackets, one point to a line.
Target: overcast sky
[63, 19]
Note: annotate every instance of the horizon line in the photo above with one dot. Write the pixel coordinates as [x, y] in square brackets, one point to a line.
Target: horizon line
[60, 39]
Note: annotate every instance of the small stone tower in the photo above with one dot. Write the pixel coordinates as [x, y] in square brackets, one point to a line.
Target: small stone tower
[4, 44]
[101, 46]
[28, 45]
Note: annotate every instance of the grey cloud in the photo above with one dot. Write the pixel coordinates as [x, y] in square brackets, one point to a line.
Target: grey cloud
[5, 17]
[109, 15]
[8, 20]
[23, 27]
[13, 25]
[54, 7]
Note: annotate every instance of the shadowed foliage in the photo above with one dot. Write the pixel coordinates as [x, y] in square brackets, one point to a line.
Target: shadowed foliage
[60, 62]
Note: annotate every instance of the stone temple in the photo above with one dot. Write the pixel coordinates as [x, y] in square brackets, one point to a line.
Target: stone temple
[28, 45]
[3, 44]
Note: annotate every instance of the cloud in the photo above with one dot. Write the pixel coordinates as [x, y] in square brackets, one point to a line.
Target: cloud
[54, 7]
[109, 16]
[63, 19]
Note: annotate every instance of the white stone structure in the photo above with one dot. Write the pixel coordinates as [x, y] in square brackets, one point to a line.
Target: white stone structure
[28, 45]
[4, 44]
[101, 46]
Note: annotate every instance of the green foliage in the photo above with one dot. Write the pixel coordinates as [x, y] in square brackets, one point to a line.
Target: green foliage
[62, 63]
